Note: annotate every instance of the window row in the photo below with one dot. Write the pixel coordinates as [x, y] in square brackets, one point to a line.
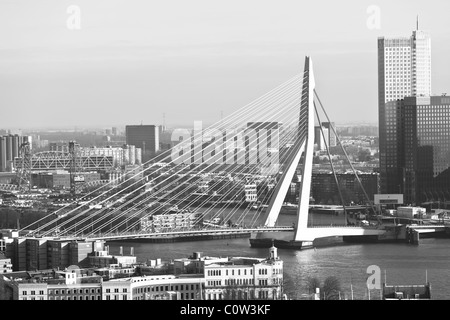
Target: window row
[116, 290]
[73, 291]
[166, 288]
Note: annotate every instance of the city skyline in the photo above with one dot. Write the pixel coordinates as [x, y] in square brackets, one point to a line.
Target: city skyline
[132, 63]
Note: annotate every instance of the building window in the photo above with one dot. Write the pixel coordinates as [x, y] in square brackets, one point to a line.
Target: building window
[116, 290]
[124, 297]
[24, 293]
[125, 290]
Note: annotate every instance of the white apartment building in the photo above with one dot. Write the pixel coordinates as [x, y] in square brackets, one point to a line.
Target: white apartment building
[245, 278]
[160, 222]
[154, 287]
[64, 285]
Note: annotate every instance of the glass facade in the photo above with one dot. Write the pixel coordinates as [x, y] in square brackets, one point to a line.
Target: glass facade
[426, 148]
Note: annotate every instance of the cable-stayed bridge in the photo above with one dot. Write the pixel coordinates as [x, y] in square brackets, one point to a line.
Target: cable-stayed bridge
[229, 178]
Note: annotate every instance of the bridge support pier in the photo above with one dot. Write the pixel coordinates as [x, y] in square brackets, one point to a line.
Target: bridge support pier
[280, 244]
[413, 236]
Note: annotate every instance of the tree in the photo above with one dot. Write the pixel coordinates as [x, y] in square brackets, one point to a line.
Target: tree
[364, 155]
[312, 284]
[329, 290]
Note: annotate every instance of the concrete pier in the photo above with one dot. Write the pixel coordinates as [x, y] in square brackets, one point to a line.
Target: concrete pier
[413, 236]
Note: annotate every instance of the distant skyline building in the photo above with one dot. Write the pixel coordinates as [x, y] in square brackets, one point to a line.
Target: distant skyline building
[89, 158]
[404, 69]
[145, 137]
[10, 149]
[332, 139]
[321, 140]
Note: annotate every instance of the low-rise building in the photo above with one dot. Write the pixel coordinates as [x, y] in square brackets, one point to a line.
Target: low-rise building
[236, 278]
[70, 284]
[169, 220]
[30, 254]
[195, 278]
[99, 259]
[5, 264]
[154, 288]
[242, 278]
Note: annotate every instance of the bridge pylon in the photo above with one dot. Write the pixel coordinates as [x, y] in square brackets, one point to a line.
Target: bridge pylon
[302, 149]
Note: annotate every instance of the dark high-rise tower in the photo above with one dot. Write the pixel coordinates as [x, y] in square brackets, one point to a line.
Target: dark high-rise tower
[426, 136]
[404, 69]
[145, 137]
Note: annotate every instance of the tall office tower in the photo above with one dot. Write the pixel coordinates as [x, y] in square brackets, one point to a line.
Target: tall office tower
[421, 63]
[404, 69]
[426, 135]
[145, 137]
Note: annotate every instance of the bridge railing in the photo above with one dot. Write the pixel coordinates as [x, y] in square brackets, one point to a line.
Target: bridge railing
[177, 231]
[342, 226]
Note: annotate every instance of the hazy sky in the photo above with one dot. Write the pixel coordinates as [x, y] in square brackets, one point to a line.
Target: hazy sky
[133, 60]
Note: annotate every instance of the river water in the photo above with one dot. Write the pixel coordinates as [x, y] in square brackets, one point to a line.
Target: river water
[399, 263]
